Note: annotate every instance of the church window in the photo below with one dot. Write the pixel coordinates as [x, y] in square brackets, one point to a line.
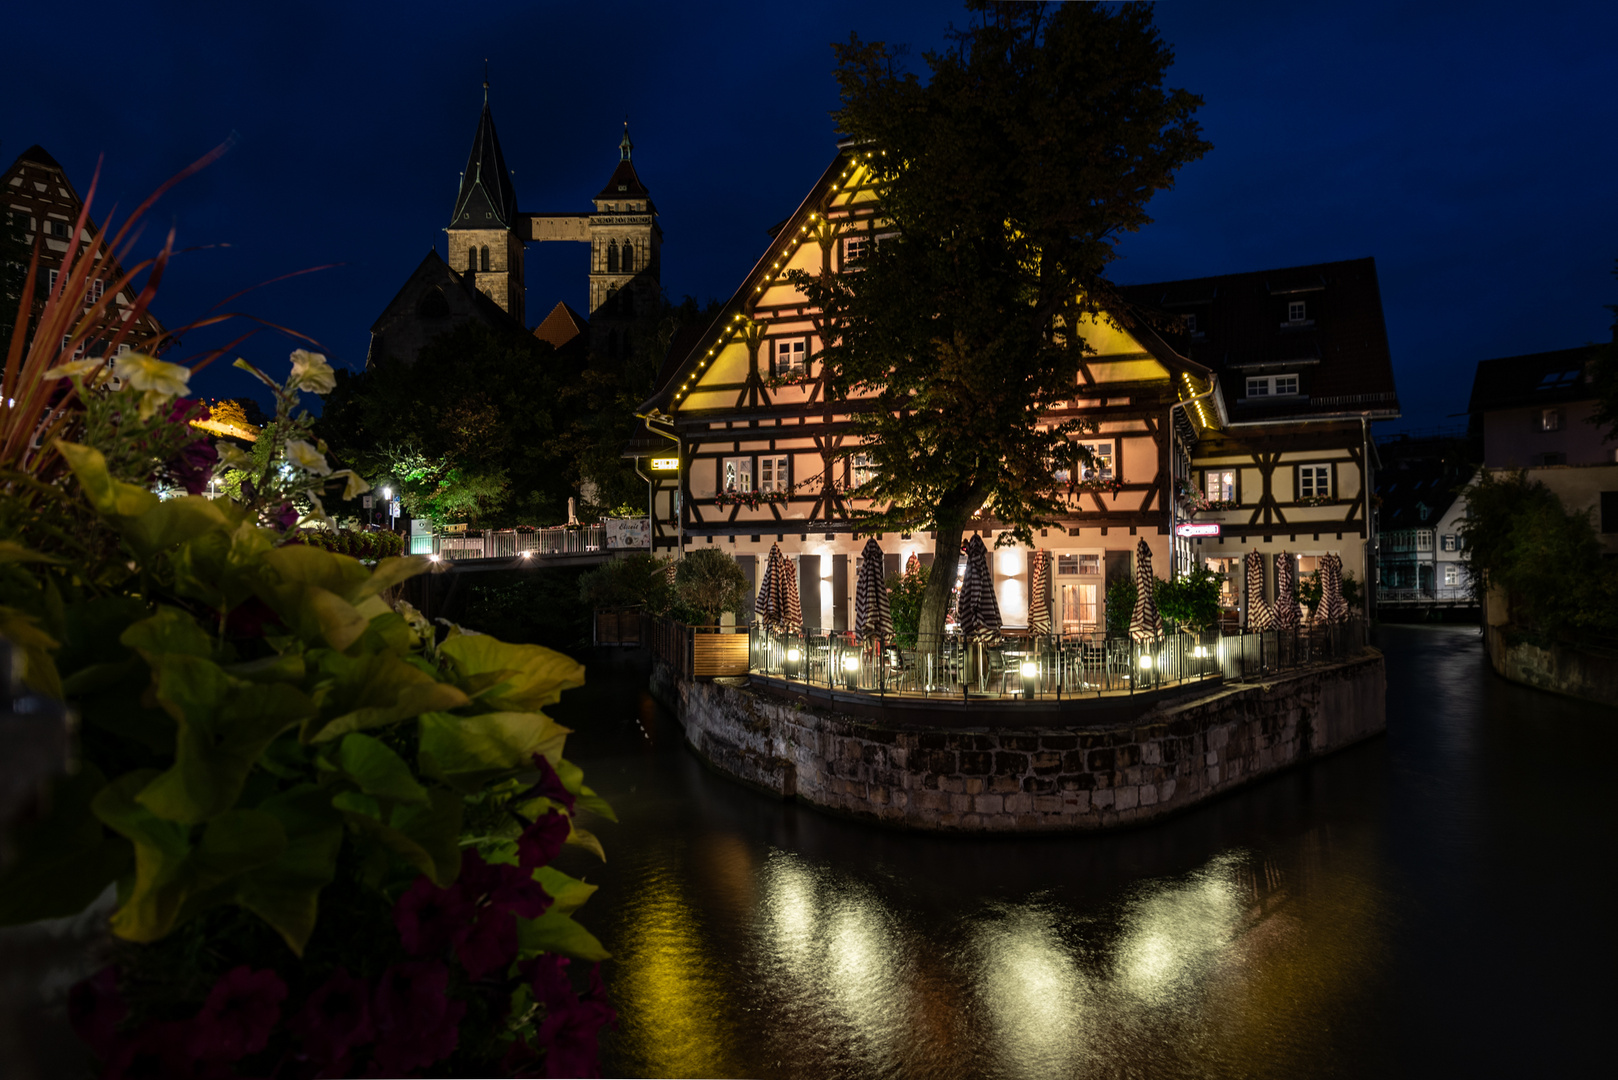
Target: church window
[629, 258]
[471, 258]
[485, 258]
[612, 257]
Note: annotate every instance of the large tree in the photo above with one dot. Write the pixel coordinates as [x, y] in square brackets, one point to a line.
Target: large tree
[1006, 177]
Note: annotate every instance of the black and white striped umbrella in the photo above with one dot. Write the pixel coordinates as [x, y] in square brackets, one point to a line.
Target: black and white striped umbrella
[1144, 622]
[764, 608]
[1259, 615]
[1332, 609]
[789, 608]
[979, 616]
[873, 618]
[1286, 591]
[1039, 604]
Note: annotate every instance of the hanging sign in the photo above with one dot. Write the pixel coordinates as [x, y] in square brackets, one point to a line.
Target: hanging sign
[665, 464]
[1197, 528]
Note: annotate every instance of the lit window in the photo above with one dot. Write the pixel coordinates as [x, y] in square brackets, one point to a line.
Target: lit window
[854, 249]
[791, 356]
[1067, 564]
[1550, 419]
[1452, 574]
[772, 474]
[737, 475]
[1220, 485]
[862, 470]
[1102, 470]
[1090, 564]
[1272, 386]
[1314, 481]
[97, 287]
[1424, 540]
[1295, 311]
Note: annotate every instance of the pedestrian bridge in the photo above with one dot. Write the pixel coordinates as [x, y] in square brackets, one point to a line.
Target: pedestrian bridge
[509, 549]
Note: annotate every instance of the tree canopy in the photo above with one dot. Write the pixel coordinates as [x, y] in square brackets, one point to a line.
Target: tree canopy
[1005, 179]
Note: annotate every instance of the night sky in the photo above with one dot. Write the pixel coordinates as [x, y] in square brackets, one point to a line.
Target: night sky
[1473, 151]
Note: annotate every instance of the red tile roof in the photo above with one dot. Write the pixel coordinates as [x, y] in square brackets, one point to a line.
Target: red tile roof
[561, 326]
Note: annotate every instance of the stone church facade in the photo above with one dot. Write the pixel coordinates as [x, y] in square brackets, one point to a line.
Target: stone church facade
[481, 277]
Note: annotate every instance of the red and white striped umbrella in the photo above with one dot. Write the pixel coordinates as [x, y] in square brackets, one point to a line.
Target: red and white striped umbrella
[1286, 591]
[1145, 622]
[1039, 604]
[764, 608]
[790, 611]
[1259, 615]
[980, 611]
[873, 618]
[1332, 609]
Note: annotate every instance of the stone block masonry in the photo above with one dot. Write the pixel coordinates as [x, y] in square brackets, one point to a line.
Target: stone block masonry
[1074, 778]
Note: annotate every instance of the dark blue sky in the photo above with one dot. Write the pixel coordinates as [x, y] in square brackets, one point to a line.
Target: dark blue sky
[1472, 150]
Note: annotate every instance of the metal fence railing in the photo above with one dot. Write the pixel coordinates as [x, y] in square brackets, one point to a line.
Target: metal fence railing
[511, 543]
[1040, 667]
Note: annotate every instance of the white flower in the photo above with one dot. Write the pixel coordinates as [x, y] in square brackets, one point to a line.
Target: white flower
[311, 372]
[147, 373]
[355, 486]
[306, 457]
[74, 368]
[232, 456]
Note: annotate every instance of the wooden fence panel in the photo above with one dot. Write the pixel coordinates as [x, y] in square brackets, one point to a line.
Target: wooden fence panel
[719, 654]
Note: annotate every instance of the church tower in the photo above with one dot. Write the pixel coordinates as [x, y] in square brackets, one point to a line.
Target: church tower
[484, 232]
[625, 255]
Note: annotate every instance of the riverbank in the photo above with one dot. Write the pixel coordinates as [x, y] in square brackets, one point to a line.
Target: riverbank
[1081, 770]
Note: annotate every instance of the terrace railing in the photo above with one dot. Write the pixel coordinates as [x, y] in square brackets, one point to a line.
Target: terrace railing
[512, 543]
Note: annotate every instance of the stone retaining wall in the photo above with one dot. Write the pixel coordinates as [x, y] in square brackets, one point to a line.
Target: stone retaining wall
[1036, 779]
[1588, 673]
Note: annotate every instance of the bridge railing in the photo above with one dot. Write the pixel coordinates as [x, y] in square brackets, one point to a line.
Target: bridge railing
[511, 543]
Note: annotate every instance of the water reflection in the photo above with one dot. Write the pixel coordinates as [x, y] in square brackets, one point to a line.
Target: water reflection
[1303, 926]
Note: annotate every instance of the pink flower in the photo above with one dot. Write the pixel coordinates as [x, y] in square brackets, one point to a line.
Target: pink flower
[161, 1052]
[550, 785]
[431, 919]
[416, 1022]
[241, 1011]
[542, 841]
[569, 1038]
[492, 944]
[509, 888]
[95, 1008]
[335, 1019]
[547, 975]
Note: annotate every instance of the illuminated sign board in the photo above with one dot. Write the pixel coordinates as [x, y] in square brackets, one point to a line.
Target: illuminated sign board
[665, 464]
[1196, 528]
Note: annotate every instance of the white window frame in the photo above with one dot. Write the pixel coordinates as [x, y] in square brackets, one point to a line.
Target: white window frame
[1297, 311]
[736, 475]
[1219, 484]
[1452, 575]
[97, 288]
[1089, 563]
[856, 249]
[774, 472]
[791, 356]
[1314, 482]
[1283, 385]
[1424, 539]
[861, 470]
[1104, 450]
[1067, 564]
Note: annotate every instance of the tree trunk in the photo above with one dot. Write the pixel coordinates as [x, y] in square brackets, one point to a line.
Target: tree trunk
[935, 599]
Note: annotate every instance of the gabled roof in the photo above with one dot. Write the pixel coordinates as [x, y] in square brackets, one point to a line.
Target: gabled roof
[1407, 485]
[624, 183]
[1339, 351]
[686, 350]
[36, 153]
[561, 326]
[1515, 382]
[463, 297]
[486, 199]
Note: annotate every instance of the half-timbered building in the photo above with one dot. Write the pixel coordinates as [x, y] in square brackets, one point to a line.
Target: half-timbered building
[753, 451]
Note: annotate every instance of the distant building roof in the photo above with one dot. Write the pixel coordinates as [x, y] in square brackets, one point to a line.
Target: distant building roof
[1245, 329]
[561, 326]
[1514, 382]
[434, 300]
[486, 199]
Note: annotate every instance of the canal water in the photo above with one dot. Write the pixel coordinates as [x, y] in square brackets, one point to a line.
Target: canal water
[1435, 902]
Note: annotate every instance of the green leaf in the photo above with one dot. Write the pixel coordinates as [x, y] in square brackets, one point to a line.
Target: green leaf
[289, 668]
[169, 631]
[390, 572]
[173, 522]
[427, 837]
[468, 751]
[286, 893]
[525, 677]
[13, 552]
[65, 860]
[589, 800]
[370, 691]
[39, 668]
[585, 839]
[109, 497]
[169, 871]
[568, 893]
[223, 730]
[556, 932]
[377, 769]
[300, 564]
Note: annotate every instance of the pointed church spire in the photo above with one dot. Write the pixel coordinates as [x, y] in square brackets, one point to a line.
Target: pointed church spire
[487, 199]
[625, 148]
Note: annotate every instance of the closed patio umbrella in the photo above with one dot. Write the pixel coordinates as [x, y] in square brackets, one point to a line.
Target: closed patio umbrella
[1039, 604]
[1286, 591]
[1332, 609]
[1144, 621]
[1259, 615]
[873, 618]
[764, 608]
[979, 615]
[790, 608]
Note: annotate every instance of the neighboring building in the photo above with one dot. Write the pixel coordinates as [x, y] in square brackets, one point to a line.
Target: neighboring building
[434, 301]
[1535, 412]
[1421, 495]
[1266, 398]
[487, 238]
[44, 205]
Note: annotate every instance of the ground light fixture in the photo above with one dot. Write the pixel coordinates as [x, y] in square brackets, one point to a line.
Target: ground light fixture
[794, 655]
[851, 671]
[1029, 671]
[1146, 661]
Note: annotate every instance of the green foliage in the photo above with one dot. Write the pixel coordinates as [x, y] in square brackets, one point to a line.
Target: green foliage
[638, 579]
[1518, 537]
[905, 593]
[708, 582]
[1005, 180]
[1190, 601]
[361, 545]
[1121, 595]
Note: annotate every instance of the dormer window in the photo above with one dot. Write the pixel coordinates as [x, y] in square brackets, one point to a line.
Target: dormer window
[1558, 380]
[1296, 311]
[1264, 386]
